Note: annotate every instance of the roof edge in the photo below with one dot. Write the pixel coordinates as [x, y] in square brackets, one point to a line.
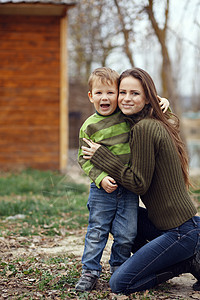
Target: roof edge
[36, 8]
[57, 2]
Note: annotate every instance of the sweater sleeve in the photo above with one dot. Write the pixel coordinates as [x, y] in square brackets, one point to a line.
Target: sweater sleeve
[96, 174]
[136, 178]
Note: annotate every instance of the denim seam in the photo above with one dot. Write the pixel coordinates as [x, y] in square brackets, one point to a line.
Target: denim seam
[189, 232]
[138, 286]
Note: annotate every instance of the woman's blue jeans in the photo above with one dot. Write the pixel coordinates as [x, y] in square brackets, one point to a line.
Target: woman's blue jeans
[116, 213]
[168, 248]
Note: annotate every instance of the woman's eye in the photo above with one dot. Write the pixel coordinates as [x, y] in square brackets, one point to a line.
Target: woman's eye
[121, 92]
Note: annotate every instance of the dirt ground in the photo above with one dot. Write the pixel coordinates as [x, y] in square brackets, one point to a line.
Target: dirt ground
[179, 287]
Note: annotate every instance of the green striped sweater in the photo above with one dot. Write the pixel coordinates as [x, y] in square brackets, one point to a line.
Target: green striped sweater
[111, 131]
[155, 174]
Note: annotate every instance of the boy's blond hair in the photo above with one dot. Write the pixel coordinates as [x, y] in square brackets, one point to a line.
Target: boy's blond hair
[104, 75]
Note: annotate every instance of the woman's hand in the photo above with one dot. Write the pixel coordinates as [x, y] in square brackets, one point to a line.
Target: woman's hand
[88, 152]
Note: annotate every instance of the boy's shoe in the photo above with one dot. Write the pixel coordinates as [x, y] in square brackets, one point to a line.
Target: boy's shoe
[87, 282]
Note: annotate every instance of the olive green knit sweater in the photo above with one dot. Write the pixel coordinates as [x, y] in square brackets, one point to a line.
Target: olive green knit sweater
[155, 174]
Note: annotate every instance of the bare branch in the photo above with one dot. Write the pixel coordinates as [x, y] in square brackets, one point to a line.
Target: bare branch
[125, 33]
[166, 15]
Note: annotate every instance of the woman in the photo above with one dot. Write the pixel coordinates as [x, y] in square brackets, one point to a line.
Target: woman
[158, 172]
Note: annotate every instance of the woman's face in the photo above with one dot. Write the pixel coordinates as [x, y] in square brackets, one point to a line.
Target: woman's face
[131, 99]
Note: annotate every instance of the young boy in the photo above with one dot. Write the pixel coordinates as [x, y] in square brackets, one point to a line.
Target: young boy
[112, 208]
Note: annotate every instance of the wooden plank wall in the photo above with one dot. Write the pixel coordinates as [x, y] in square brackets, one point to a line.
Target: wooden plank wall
[29, 92]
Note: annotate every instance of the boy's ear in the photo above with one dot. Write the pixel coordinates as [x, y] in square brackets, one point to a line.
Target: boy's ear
[90, 97]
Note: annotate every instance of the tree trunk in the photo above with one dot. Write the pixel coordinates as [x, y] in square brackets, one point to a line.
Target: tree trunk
[169, 89]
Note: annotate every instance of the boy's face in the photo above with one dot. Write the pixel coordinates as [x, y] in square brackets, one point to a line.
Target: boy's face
[104, 97]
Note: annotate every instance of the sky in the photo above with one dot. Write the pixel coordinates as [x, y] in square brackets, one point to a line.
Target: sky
[184, 22]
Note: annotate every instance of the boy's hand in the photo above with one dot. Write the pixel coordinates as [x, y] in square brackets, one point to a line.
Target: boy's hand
[164, 104]
[109, 184]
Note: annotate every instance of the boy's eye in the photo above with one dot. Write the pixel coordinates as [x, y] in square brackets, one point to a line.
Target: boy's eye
[98, 93]
[122, 92]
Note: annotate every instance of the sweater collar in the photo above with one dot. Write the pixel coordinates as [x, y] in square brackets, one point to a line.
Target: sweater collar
[116, 110]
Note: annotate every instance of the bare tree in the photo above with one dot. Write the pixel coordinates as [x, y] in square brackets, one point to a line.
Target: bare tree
[127, 32]
[91, 36]
[169, 88]
[196, 78]
[99, 27]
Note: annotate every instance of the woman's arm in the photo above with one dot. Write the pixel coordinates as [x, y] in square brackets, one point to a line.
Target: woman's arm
[138, 176]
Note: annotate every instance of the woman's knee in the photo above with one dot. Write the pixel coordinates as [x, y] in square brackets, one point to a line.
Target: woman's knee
[116, 283]
[113, 284]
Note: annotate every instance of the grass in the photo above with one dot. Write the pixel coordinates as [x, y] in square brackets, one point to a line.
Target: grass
[34, 202]
[48, 205]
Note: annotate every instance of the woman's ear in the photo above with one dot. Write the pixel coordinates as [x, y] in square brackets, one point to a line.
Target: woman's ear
[90, 97]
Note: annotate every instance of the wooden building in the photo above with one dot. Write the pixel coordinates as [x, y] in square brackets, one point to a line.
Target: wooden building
[33, 84]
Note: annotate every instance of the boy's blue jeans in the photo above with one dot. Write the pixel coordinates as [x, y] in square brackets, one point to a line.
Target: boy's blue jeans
[116, 213]
[169, 247]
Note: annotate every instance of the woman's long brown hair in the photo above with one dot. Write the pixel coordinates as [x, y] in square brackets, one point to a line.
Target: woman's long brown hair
[169, 120]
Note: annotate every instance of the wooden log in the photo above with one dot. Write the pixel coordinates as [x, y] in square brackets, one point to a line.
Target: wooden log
[63, 96]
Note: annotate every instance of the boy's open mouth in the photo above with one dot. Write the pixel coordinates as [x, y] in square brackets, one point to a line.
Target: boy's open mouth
[104, 105]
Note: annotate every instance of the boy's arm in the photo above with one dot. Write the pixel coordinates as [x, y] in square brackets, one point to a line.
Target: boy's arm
[164, 104]
[95, 174]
